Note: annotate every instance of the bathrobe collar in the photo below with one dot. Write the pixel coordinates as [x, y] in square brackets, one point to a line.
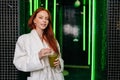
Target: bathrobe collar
[36, 36]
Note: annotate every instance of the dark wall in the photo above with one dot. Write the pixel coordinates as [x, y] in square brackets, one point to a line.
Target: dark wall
[113, 39]
[101, 39]
[9, 31]
[107, 40]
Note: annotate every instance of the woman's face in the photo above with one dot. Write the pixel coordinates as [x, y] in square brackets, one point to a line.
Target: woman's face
[41, 20]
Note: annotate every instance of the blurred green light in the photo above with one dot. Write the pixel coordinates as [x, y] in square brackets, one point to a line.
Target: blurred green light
[54, 18]
[30, 2]
[84, 28]
[89, 33]
[93, 40]
[35, 4]
[46, 4]
[77, 3]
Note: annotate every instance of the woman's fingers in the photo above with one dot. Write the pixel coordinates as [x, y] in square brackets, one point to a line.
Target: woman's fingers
[57, 62]
[44, 52]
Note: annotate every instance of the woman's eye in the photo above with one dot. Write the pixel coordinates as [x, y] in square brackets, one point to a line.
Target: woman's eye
[40, 17]
[46, 19]
[43, 18]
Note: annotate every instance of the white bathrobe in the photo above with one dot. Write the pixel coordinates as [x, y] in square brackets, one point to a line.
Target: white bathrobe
[26, 58]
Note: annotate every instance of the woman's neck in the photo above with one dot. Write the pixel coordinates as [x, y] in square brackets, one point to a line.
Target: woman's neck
[40, 32]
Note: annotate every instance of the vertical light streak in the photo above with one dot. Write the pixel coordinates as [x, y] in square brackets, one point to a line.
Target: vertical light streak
[54, 17]
[46, 4]
[30, 2]
[35, 4]
[93, 39]
[84, 26]
[89, 33]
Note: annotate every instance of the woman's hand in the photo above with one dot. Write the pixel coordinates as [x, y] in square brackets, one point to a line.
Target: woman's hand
[44, 52]
[57, 62]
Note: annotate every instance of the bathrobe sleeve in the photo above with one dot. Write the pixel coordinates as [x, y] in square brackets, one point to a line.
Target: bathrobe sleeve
[23, 60]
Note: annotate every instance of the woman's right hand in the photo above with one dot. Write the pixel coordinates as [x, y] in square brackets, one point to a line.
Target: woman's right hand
[44, 52]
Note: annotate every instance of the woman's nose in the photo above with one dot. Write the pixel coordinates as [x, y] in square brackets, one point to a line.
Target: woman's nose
[44, 20]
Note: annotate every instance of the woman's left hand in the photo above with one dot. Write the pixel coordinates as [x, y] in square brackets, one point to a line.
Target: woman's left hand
[57, 62]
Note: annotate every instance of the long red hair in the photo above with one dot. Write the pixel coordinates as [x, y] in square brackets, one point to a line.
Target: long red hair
[48, 34]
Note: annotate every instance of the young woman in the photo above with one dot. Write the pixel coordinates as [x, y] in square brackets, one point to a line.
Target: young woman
[32, 49]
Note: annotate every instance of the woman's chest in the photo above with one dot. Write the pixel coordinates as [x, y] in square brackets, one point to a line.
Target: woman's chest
[36, 45]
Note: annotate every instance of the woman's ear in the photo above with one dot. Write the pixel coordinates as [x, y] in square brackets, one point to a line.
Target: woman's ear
[34, 21]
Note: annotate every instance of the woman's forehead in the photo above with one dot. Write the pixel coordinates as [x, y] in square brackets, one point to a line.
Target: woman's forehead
[42, 13]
